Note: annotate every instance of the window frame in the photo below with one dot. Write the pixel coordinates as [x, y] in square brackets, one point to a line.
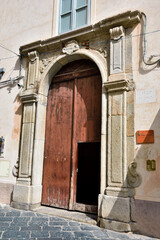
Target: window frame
[73, 13]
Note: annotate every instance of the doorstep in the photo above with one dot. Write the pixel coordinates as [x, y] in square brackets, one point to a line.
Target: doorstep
[72, 215]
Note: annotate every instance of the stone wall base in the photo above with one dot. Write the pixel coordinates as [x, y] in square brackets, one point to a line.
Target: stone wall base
[6, 193]
[26, 197]
[25, 206]
[114, 225]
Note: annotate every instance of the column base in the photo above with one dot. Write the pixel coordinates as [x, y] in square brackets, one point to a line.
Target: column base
[25, 206]
[114, 213]
[26, 197]
[114, 225]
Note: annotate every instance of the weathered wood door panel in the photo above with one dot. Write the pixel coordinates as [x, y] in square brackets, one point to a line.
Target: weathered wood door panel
[57, 160]
[73, 117]
[86, 129]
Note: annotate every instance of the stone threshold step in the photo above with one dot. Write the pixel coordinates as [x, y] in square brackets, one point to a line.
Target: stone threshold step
[72, 215]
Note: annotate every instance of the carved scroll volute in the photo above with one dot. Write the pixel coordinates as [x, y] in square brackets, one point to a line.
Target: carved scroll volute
[117, 50]
[133, 178]
[33, 68]
[116, 33]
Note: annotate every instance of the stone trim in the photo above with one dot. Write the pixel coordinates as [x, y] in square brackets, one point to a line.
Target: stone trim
[133, 178]
[116, 33]
[119, 85]
[126, 19]
[33, 69]
[28, 98]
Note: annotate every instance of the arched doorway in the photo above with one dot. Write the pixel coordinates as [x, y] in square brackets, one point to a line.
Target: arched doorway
[71, 175]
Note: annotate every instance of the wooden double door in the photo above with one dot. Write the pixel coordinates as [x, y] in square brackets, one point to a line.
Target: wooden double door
[71, 175]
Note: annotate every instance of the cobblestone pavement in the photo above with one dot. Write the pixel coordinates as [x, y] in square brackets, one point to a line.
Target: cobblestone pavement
[18, 224]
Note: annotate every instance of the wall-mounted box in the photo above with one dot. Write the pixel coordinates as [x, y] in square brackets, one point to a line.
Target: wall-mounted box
[151, 165]
[145, 136]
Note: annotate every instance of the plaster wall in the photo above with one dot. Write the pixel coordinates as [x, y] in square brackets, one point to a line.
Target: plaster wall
[21, 22]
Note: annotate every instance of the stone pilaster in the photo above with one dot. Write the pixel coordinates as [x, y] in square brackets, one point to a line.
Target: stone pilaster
[24, 193]
[114, 205]
[28, 123]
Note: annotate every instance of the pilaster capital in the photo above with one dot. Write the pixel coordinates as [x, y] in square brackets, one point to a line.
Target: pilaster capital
[119, 85]
[29, 98]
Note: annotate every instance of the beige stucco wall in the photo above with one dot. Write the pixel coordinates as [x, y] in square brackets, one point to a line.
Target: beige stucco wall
[26, 21]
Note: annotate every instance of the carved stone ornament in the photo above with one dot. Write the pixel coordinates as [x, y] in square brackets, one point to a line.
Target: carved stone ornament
[15, 169]
[33, 56]
[133, 178]
[117, 33]
[103, 51]
[119, 85]
[70, 47]
[44, 64]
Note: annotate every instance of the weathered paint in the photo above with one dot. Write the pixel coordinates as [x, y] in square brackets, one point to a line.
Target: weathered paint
[73, 116]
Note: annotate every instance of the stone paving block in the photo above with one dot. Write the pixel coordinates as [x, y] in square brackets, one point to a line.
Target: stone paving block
[35, 219]
[71, 223]
[36, 234]
[85, 238]
[29, 228]
[66, 235]
[71, 228]
[18, 224]
[100, 234]
[17, 234]
[38, 223]
[30, 214]
[21, 219]
[13, 213]
[49, 238]
[4, 224]
[15, 228]
[64, 223]
[113, 234]
[57, 219]
[6, 219]
[88, 227]
[52, 228]
[84, 234]
[2, 214]
[6, 238]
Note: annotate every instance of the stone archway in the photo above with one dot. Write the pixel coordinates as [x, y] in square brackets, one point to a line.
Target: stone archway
[29, 184]
[117, 129]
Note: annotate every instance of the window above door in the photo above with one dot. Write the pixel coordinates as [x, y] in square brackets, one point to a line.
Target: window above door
[73, 14]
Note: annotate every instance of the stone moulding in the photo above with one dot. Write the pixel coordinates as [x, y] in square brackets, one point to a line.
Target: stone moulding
[44, 63]
[118, 85]
[28, 98]
[133, 178]
[126, 19]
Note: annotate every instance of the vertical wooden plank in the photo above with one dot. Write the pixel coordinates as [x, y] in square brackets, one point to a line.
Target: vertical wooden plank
[88, 113]
[56, 176]
[87, 120]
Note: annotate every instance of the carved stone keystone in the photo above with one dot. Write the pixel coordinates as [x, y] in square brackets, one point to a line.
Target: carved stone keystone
[70, 47]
